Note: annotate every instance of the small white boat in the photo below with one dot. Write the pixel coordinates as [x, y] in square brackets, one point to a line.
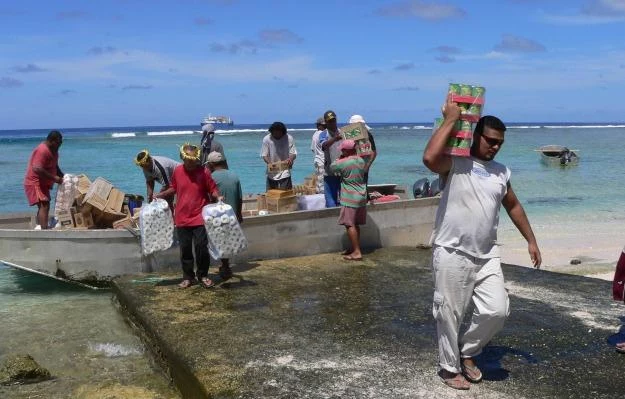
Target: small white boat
[553, 155]
[97, 256]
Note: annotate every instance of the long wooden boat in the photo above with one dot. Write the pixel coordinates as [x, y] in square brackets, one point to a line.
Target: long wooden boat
[94, 256]
[553, 155]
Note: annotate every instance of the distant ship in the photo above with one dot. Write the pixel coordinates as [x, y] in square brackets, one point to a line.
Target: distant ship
[218, 121]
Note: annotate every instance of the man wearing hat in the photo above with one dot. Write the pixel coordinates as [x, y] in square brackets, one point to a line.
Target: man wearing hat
[351, 168]
[318, 156]
[329, 140]
[194, 188]
[229, 187]
[278, 149]
[156, 169]
[208, 143]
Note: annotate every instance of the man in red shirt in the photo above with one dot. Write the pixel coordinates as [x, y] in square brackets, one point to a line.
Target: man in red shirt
[194, 188]
[41, 174]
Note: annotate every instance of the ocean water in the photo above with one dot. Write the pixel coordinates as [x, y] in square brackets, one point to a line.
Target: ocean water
[79, 330]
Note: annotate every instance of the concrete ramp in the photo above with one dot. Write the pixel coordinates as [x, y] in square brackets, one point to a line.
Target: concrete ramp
[322, 327]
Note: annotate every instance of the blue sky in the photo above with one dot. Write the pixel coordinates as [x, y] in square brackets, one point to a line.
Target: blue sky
[136, 62]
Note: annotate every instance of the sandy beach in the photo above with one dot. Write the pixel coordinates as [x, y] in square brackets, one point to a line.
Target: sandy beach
[596, 245]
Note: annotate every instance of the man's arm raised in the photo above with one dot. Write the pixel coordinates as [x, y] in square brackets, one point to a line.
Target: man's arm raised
[434, 156]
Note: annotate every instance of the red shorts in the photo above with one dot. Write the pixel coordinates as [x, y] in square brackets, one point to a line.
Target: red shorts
[353, 216]
[36, 194]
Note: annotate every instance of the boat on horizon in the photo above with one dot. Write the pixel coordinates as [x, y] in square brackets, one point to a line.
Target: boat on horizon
[553, 155]
[217, 121]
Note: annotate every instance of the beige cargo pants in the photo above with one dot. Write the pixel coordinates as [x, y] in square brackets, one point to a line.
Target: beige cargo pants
[459, 281]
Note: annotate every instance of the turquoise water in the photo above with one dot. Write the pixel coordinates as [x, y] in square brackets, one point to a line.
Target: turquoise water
[589, 190]
[78, 333]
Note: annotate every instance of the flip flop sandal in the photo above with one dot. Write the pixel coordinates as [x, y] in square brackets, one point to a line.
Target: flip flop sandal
[207, 282]
[186, 283]
[457, 382]
[349, 257]
[472, 373]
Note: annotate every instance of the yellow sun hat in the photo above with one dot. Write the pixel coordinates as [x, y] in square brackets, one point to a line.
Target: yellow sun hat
[142, 158]
[192, 152]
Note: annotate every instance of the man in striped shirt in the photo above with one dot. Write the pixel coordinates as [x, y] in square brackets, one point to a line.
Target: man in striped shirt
[353, 196]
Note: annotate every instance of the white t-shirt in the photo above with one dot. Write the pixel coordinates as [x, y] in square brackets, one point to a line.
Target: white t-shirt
[278, 150]
[468, 213]
[315, 147]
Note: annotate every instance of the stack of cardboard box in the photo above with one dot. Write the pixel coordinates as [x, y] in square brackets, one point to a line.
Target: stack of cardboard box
[97, 204]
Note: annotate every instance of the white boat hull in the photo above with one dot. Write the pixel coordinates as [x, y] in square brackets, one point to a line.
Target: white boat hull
[101, 255]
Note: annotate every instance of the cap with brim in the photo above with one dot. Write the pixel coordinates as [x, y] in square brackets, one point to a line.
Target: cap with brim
[358, 119]
[321, 121]
[215, 157]
[329, 115]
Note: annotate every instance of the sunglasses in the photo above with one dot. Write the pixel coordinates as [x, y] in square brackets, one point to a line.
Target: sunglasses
[492, 141]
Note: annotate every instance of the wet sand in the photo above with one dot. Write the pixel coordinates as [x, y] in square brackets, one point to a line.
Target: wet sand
[596, 246]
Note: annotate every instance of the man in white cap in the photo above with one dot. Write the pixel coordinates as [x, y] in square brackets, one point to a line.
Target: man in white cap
[351, 169]
[370, 156]
[229, 187]
[208, 143]
[318, 155]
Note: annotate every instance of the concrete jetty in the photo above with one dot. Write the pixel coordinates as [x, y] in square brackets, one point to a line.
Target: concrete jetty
[322, 327]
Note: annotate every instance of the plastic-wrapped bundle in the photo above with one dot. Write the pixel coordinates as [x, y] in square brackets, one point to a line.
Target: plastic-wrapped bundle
[156, 226]
[65, 194]
[225, 236]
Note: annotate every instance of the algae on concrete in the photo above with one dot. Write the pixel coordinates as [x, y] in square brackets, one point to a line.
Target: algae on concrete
[319, 326]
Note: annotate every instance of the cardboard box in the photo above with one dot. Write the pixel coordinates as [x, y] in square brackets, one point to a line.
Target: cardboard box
[64, 219]
[250, 212]
[282, 205]
[279, 193]
[83, 184]
[115, 200]
[83, 220]
[276, 167]
[261, 202]
[124, 223]
[105, 219]
[355, 131]
[98, 194]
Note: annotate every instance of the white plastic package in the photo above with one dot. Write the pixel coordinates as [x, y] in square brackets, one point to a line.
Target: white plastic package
[65, 194]
[156, 226]
[225, 236]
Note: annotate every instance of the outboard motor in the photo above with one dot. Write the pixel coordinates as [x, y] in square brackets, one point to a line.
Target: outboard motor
[565, 156]
[435, 187]
[421, 188]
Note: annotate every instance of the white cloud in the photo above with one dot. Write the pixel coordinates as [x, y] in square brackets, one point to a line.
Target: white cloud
[421, 9]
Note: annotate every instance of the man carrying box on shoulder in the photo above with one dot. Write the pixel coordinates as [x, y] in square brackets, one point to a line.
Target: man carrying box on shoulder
[465, 256]
[351, 169]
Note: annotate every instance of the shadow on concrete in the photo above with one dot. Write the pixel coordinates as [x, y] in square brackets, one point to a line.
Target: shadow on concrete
[619, 336]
